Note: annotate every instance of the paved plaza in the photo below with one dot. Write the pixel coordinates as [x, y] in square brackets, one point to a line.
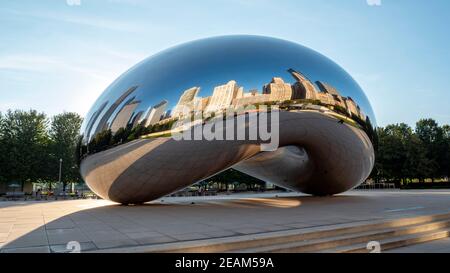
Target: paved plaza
[47, 226]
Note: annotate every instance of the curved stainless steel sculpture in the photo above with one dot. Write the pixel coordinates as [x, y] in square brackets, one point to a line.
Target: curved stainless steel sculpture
[149, 133]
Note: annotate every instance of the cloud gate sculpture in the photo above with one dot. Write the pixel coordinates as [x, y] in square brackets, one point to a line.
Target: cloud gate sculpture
[267, 107]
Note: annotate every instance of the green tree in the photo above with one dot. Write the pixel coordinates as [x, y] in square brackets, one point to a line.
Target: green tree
[64, 133]
[231, 176]
[445, 163]
[25, 142]
[431, 135]
[2, 152]
[391, 153]
[417, 164]
[121, 135]
[101, 142]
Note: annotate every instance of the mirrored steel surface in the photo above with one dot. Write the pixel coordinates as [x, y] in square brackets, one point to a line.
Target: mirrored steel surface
[211, 75]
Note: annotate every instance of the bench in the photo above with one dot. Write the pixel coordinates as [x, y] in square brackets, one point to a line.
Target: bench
[14, 195]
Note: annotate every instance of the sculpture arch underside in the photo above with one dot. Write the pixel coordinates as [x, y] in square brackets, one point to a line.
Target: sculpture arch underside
[317, 155]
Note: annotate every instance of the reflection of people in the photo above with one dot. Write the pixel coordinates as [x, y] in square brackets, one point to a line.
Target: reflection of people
[38, 194]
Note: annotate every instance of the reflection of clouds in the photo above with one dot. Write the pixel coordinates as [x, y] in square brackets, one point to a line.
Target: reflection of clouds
[83, 20]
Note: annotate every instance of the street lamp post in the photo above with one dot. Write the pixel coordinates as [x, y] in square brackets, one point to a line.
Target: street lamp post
[60, 166]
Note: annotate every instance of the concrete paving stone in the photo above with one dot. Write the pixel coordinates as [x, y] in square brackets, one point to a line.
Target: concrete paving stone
[273, 227]
[114, 243]
[94, 228]
[16, 233]
[138, 235]
[59, 224]
[154, 240]
[106, 235]
[136, 229]
[38, 249]
[190, 236]
[26, 226]
[5, 228]
[220, 233]
[248, 230]
[209, 217]
[27, 240]
[297, 225]
[63, 236]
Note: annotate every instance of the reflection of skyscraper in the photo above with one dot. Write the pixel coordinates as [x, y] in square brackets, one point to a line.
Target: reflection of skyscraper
[137, 118]
[102, 123]
[303, 88]
[351, 106]
[252, 97]
[154, 113]
[200, 104]
[93, 119]
[222, 96]
[278, 90]
[325, 98]
[328, 89]
[186, 101]
[124, 115]
[324, 87]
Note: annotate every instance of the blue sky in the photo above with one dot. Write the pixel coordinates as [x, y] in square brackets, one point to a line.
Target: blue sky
[58, 57]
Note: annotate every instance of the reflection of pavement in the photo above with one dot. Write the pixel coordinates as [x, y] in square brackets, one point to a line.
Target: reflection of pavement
[339, 157]
[97, 224]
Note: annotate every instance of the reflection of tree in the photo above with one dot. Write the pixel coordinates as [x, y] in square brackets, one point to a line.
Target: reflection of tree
[303, 94]
[233, 177]
[121, 135]
[106, 139]
[101, 141]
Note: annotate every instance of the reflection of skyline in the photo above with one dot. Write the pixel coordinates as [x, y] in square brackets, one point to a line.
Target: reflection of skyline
[103, 123]
[155, 113]
[124, 116]
[229, 95]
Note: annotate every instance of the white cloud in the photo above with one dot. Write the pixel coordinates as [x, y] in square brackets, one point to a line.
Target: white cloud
[42, 63]
[84, 20]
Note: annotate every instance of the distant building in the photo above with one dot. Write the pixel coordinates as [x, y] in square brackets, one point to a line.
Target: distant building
[278, 90]
[325, 98]
[326, 88]
[136, 119]
[251, 98]
[123, 117]
[103, 123]
[186, 101]
[223, 96]
[155, 113]
[303, 88]
[251, 93]
[351, 106]
[93, 119]
[200, 104]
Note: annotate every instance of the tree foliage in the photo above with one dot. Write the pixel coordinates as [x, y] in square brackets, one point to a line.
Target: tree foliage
[63, 136]
[31, 145]
[405, 154]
